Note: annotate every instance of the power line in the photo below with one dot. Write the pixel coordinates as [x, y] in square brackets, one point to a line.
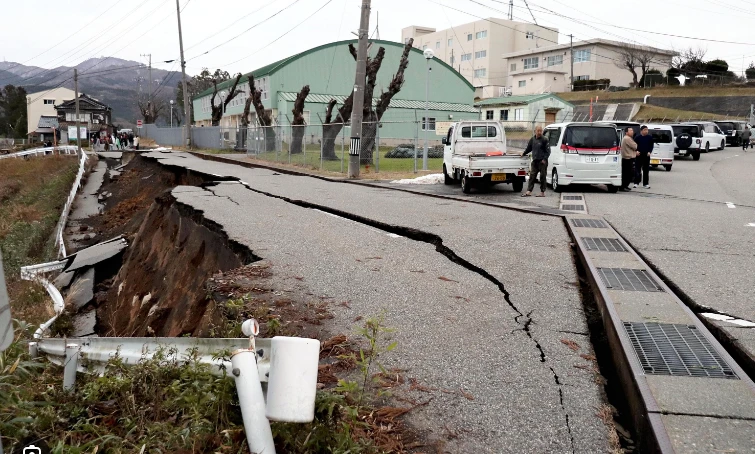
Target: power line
[281, 36]
[227, 27]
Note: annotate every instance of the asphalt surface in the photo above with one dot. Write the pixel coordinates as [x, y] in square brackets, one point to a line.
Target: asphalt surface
[438, 269]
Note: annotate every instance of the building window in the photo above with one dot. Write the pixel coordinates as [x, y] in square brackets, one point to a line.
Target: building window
[49, 101]
[450, 42]
[482, 34]
[530, 35]
[482, 72]
[437, 44]
[581, 77]
[469, 37]
[518, 114]
[554, 60]
[481, 54]
[522, 83]
[582, 55]
[72, 117]
[504, 115]
[431, 124]
[531, 63]
[466, 57]
[489, 115]
[513, 67]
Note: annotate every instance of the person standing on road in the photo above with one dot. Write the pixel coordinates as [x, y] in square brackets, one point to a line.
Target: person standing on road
[628, 155]
[645, 145]
[541, 151]
[136, 142]
[746, 134]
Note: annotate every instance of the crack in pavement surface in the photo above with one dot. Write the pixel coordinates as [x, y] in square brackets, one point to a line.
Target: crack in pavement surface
[576, 395]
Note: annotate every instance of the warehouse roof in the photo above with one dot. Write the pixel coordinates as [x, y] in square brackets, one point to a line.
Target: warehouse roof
[395, 103]
[275, 66]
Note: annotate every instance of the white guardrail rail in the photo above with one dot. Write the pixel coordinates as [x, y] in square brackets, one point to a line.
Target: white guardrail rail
[63, 149]
[67, 208]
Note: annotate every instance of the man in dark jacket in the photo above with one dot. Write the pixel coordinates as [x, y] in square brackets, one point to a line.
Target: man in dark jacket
[541, 151]
[642, 164]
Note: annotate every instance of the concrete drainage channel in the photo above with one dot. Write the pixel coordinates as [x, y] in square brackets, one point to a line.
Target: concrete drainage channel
[682, 388]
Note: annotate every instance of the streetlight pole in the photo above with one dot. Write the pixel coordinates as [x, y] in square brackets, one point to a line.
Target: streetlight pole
[428, 53]
[187, 108]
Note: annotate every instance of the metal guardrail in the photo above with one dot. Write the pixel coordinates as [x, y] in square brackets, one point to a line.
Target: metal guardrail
[67, 208]
[64, 149]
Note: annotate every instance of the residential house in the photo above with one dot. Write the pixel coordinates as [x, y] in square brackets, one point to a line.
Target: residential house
[526, 110]
[475, 49]
[547, 69]
[93, 115]
[42, 104]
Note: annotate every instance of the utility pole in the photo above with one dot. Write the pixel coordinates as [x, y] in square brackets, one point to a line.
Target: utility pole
[78, 125]
[187, 115]
[571, 57]
[149, 99]
[511, 9]
[359, 83]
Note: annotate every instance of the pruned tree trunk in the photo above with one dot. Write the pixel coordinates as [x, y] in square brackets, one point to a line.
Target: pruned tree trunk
[217, 111]
[368, 113]
[330, 131]
[263, 117]
[298, 125]
[371, 120]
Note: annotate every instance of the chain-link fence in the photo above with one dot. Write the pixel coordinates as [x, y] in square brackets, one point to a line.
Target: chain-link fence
[396, 147]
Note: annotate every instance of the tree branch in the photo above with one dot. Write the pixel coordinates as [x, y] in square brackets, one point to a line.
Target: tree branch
[396, 83]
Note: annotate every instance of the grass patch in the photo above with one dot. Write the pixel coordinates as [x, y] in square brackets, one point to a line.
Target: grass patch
[649, 113]
[32, 195]
[665, 92]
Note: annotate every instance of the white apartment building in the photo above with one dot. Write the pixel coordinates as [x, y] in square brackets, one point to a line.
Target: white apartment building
[476, 49]
[548, 69]
[42, 104]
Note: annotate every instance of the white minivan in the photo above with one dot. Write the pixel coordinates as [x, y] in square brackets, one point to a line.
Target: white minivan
[663, 146]
[584, 153]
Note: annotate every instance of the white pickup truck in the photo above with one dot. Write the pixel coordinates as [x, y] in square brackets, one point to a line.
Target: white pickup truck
[475, 153]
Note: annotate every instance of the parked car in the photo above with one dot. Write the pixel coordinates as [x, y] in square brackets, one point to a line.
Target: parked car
[475, 153]
[584, 153]
[713, 138]
[732, 130]
[687, 140]
[663, 146]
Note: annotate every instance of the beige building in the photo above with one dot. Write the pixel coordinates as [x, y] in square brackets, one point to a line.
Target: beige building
[42, 104]
[475, 49]
[547, 69]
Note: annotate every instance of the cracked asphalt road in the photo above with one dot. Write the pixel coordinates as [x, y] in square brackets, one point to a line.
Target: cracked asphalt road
[481, 298]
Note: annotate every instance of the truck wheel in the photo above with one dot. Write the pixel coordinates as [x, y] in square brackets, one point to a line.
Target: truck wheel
[518, 185]
[446, 179]
[695, 155]
[668, 167]
[554, 182]
[466, 185]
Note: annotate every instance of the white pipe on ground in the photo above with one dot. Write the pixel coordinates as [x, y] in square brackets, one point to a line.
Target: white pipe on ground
[252, 402]
[645, 100]
[292, 384]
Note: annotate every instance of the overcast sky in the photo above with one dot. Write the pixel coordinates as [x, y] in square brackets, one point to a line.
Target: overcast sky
[128, 28]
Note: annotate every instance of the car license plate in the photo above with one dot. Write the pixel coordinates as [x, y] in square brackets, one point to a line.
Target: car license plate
[592, 159]
[498, 177]
[655, 161]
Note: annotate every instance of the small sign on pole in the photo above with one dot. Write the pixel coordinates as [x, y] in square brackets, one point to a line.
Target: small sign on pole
[139, 124]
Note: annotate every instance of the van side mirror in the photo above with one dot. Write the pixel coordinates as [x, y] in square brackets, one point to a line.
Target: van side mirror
[444, 141]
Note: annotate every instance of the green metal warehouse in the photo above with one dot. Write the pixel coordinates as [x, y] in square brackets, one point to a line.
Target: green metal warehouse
[329, 71]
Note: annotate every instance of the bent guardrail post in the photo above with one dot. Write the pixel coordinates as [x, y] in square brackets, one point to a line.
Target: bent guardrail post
[6, 322]
[70, 366]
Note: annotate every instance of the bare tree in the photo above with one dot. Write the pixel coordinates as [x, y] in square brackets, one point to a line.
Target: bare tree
[217, 111]
[298, 124]
[689, 58]
[263, 116]
[151, 110]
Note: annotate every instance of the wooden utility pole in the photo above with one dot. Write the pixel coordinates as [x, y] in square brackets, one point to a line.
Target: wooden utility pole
[150, 105]
[78, 125]
[187, 108]
[359, 83]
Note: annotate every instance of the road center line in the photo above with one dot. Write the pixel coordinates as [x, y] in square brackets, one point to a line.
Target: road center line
[730, 205]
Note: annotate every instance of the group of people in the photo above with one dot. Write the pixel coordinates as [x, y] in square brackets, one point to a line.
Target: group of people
[118, 141]
[635, 159]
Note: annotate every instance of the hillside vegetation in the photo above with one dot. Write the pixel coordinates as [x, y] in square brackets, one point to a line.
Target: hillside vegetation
[666, 92]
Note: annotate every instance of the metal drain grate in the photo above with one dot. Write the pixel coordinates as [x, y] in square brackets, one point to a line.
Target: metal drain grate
[589, 223]
[628, 279]
[572, 197]
[678, 350]
[573, 207]
[603, 244]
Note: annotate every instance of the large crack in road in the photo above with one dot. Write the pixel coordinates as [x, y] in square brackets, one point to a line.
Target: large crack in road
[522, 319]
